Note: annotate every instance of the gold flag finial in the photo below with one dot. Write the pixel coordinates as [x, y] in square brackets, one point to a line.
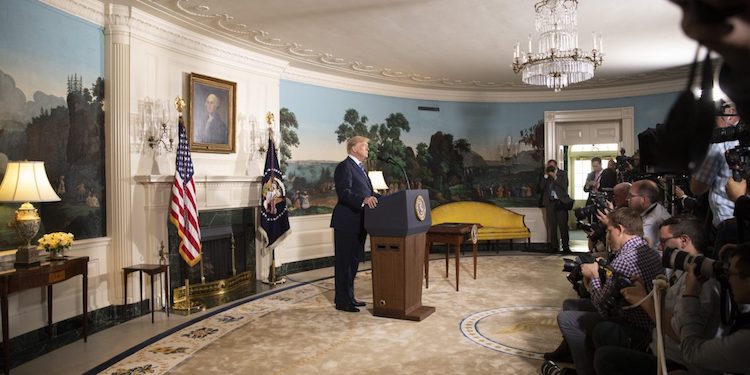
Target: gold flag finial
[269, 118]
[179, 103]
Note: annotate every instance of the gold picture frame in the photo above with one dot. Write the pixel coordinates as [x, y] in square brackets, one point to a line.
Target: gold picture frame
[212, 112]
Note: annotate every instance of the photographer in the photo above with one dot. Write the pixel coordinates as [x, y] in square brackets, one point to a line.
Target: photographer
[557, 202]
[615, 355]
[727, 353]
[619, 199]
[632, 257]
[712, 177]
[644, 198]
[599, 179]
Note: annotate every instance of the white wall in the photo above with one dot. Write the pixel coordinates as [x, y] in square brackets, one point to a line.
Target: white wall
[162, 56]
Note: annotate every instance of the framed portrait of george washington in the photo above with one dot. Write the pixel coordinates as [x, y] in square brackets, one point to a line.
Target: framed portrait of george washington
[212, 112]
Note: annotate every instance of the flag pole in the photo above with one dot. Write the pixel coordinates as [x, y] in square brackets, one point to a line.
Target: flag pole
[272, 279]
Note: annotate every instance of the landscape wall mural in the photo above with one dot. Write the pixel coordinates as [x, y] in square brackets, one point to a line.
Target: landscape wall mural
[491, 152]
[51, 109]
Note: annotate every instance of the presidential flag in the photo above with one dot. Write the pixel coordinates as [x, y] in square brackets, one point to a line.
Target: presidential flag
[274, 218]
[183, 210]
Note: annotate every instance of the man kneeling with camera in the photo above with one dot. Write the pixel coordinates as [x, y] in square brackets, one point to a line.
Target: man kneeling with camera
[632, 258]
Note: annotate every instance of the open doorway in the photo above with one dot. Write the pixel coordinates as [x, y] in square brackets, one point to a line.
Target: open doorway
[574, 137]
[579, 160]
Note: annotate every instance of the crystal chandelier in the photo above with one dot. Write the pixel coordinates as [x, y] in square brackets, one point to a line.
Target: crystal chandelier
[558, 61]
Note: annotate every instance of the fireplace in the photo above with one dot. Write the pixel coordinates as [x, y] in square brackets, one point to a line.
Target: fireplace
[228, 265]
[228, 207]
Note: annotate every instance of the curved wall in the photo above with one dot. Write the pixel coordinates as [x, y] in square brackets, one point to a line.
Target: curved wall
[488, 126]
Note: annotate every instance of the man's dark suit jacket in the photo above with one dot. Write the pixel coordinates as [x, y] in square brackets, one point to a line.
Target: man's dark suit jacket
[607, 180]
[352, 187]
[560, 186]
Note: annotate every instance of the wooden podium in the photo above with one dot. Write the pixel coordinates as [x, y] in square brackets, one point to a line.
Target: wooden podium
[397, 228]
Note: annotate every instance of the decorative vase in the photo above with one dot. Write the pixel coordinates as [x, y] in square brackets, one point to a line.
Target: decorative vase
[57, 254]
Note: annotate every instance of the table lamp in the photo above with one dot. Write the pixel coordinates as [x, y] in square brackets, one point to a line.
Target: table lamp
[377, 180]
[26, 182]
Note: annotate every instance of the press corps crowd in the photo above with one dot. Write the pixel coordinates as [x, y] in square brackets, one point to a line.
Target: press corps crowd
[705, 324]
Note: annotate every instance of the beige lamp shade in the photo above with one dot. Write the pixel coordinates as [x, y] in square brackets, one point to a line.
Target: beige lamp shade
[377, 179]
[26, 181]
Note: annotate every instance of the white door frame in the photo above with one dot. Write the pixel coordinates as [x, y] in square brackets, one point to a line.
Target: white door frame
[623, 115]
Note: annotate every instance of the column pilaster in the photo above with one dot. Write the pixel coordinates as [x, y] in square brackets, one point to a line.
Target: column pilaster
[117, 139]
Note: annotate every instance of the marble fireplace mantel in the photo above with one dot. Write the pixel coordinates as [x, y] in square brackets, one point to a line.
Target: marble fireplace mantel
[213, 192]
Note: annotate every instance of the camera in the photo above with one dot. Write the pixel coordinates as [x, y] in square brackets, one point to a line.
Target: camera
[575, 275]
[574, 266]
[623, 163]
[600, 203]
[679, 260]
[596, 229]
[614, 301]
[738, 157]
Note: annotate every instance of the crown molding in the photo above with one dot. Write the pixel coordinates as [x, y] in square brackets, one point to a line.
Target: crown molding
[528, 95]
[198, 14]
[157, 31]
[89, 10]
[351, 76]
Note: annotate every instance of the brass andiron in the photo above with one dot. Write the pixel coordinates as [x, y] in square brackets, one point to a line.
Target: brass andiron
[193, 297]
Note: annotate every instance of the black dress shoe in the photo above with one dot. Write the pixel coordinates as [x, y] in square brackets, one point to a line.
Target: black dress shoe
[561, 354]
[359, 303]
[347, 308]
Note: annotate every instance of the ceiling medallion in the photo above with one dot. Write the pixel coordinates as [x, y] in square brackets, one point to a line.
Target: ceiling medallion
[558, 61]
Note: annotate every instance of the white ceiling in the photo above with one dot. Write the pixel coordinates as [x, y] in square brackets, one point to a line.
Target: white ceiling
[451, 44]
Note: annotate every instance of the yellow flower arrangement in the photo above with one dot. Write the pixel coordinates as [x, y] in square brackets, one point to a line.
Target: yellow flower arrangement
[55, 241]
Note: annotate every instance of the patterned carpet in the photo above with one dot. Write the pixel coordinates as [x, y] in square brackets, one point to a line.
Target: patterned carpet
[499, 323]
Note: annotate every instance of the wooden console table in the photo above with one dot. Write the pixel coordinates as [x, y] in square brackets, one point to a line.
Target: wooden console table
[46, 274]
[449, 233]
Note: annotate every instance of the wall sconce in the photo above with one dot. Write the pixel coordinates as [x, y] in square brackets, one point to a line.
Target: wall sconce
[155, 121]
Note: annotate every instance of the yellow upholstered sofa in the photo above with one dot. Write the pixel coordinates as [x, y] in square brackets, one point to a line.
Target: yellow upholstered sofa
[497, 222]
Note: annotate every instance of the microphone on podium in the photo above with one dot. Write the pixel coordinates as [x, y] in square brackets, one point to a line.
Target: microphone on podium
[390, 160]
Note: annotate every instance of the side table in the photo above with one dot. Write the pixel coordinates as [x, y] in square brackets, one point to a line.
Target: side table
[450, 234]
[152, 270]
[47, 273]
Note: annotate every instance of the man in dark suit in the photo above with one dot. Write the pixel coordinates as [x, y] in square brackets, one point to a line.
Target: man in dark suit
[554, 188]
[600, 180]
[355, 194]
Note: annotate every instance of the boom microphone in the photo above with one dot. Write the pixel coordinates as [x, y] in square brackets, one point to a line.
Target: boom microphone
[390, 160]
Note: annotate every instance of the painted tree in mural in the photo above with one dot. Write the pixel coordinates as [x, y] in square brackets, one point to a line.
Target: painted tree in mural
[74, 162]
[443, 165]
[354, 125]
[389, 144]
[385, 140]
[289, 138]
[534, 137]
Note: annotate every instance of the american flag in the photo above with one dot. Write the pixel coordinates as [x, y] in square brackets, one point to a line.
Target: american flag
[183, 211]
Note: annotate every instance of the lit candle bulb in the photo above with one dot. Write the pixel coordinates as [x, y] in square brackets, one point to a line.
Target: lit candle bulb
[529, 43]
[601, 44]
[593, 36]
